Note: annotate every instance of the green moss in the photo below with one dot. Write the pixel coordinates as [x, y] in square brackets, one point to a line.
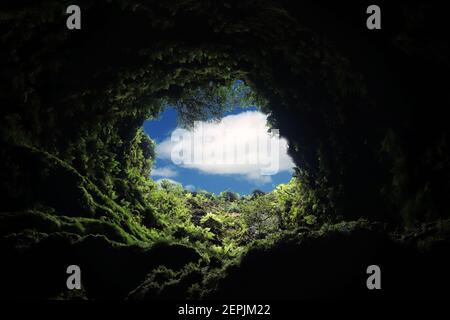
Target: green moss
[50, 223]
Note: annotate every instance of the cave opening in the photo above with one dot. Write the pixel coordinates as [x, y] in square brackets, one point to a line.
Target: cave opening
[233, 150]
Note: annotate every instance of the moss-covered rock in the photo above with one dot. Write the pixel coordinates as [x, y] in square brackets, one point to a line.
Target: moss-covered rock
[332, 264]
[35, 264]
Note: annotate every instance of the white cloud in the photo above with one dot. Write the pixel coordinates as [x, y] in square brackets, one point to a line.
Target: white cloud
[243, 136]
[167, 172]
[190, 187]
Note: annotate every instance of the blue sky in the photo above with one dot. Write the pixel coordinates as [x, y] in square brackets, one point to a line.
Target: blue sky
[241, 179]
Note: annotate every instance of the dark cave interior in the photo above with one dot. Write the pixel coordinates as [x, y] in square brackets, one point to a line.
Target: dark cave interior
[364, 113]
